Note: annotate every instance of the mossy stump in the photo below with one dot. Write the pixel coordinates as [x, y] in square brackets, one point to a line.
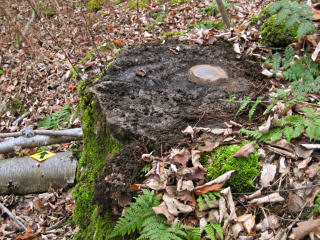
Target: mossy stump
[141, 105]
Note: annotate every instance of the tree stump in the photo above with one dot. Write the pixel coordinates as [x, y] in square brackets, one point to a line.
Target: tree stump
[147, 96]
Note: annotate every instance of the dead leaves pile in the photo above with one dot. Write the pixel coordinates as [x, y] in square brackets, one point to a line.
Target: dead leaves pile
[269, 213]
[46, 216]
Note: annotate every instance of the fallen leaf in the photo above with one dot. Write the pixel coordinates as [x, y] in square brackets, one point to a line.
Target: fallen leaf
[119, 42]
[175, 207]
[303, 164]
[267, 174]
[195, 173]
[147, 157]
[208, 146]
[236, 229]
[295, 203]
[222, 209]
[267, 73]
[187, 185]
[216, 183]
[210, 188]
[306, 227]
[188, 130]
[29, 235]
[232, 209]
[303, 153]
[141, 73]
[245, 151]
[236, 48]
[270, 222]
[264, 128]
[274, 197]
[163, 209]
[180, 157]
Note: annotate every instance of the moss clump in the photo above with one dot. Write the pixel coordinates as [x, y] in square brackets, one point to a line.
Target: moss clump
[171, 34]
[97, 145]
[223, 161]
[275, 35]
[16, 105]
[94, 5]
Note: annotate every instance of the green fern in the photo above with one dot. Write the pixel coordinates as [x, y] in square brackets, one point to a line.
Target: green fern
[245, 102]
[316, 206]
[288, 57]
[312, 124]
[255, 134]
[200, 202]
[146, 168]
[155, 229]
[63, 115]
[207, 198]
[194, 233]
[212, 229]
[291, 127]
[293, 13]
[254, 107]
[304, 75]
[273, 135]
[138, 212]
[276, 62]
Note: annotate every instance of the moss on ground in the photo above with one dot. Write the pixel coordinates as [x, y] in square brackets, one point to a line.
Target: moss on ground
[97, 145]
[223, 161]
[275, 35]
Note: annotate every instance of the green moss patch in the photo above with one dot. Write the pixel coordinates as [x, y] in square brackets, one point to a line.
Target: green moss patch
[223, 161]
[275, 35]
[92, 161]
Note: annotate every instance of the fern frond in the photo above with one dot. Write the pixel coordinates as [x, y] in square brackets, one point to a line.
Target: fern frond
[194, 233]
[304, 28]
[200, 203]
[218, 229]
[246, 101]
[312, 124]
[208, 198]
[273, 135]
[63, 115]
[210, 232]
[275, 7]
[213, 228]
[282, 16]
[255, 134]
[137, 213]
[154, 228]
[254, 107]
[292, 20]
[276, 62]
[288, 56]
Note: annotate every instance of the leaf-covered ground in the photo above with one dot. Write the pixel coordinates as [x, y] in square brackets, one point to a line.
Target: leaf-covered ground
[46, 48]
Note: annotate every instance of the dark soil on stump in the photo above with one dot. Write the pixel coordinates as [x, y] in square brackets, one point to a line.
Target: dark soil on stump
[146, 95]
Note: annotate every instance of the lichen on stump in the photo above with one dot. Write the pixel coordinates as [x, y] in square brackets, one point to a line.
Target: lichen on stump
[142, 103]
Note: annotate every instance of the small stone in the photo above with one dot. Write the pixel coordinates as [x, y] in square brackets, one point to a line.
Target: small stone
[206, 73]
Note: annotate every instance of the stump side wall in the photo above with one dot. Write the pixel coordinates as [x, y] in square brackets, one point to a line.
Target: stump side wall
[97, 146]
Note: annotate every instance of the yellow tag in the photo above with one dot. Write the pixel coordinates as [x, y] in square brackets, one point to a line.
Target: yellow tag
[41, 156]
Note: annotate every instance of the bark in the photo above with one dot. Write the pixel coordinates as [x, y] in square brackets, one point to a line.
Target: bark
[74, 132]
[36, 141]
[224, 14]
[25, 175]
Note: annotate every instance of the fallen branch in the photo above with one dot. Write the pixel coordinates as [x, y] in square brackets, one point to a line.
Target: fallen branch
[24, 175]
[6, 210]
[75, 132]
[37, 141]
[16, 122]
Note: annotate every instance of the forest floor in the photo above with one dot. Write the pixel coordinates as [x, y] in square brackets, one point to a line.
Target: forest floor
[44, 54]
